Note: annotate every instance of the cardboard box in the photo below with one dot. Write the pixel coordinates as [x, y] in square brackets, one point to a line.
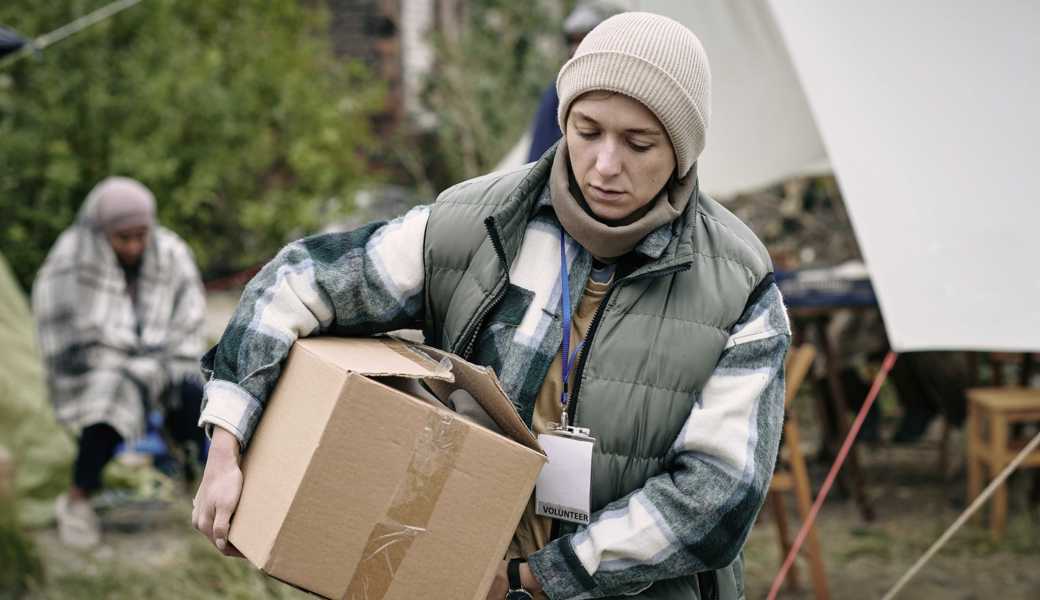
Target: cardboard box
[355, 488]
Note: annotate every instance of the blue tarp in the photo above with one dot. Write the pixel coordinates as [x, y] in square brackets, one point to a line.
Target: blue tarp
[10, 41]
[818, 288]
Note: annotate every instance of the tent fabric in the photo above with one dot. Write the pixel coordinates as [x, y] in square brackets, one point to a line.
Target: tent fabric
[43, 451]
[761, 130]
[929, 114]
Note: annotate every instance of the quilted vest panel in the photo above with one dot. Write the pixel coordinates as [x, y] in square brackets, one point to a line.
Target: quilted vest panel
[657, 339]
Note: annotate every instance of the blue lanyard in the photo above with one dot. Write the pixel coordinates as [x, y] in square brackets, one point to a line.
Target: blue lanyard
[566, 358]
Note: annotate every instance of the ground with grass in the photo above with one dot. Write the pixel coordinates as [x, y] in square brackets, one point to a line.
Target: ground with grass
[915, 502]
[151, 552]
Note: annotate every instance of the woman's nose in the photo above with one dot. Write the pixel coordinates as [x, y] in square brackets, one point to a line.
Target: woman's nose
[608, 161]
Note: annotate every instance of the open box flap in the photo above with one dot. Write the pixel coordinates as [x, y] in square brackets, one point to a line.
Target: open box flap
[482, 383]
[379, 357]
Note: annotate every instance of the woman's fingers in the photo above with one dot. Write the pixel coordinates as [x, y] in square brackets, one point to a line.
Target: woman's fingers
[202, 517]
[216, 501]
[230, 550]
[221, 524]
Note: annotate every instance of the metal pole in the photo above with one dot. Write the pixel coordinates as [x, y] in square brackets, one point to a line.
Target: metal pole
[65, 31]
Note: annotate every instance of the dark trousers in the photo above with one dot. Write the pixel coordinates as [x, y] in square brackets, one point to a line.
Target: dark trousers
[98, 442]
[930, 383]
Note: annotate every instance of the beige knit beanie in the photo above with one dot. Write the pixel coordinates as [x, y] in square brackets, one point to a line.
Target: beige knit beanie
[654, 60]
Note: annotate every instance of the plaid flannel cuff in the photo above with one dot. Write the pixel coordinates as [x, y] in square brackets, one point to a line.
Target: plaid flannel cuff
[560, 571]
[230, 407]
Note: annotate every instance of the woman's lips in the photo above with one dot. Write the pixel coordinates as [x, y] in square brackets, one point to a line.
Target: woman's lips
[605, 194]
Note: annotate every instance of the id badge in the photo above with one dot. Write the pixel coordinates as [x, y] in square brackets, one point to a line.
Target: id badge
[564, 485]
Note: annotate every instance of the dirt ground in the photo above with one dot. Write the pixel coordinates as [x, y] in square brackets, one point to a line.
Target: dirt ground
[150, 550]
[915, 502]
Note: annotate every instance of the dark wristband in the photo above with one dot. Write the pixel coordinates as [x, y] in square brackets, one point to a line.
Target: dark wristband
[516, 588]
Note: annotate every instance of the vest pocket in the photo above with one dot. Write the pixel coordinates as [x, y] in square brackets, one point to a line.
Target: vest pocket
[499, 327]
[513, 306]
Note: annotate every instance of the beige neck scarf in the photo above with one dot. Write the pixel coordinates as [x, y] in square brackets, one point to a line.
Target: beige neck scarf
[608, 242]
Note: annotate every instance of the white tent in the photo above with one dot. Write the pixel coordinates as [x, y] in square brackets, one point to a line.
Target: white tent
[761, 129]
[930, 111]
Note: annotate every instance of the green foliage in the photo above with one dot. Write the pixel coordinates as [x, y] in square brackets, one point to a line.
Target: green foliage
[234, 113]
[43, 451]
[487, 82]
[20, 565]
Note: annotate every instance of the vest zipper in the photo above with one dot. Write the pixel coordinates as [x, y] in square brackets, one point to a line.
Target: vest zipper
[471, 336]
[499, 291]
[579, 369]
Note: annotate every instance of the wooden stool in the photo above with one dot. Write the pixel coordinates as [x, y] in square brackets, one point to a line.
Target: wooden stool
[995, 410]
[793, 476]
[833, 406]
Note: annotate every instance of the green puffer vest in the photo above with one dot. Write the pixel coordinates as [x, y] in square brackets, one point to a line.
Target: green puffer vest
[657, 339]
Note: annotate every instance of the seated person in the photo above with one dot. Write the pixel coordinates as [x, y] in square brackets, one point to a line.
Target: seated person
[120, 307]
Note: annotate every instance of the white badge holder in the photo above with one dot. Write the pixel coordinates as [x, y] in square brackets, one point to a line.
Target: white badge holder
[564, 485]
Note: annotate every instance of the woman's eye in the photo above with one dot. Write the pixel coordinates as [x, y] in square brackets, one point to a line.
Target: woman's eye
[588, 135]
[640, 147]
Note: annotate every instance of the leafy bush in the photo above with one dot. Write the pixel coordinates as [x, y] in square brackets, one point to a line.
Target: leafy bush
[234, 113]
[487, 82]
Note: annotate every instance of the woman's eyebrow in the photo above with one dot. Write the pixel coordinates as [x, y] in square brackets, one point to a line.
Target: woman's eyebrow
[582, 116]
[651, 131]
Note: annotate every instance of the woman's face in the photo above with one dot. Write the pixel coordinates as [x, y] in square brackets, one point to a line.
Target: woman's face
[129, 244]
[620, 153]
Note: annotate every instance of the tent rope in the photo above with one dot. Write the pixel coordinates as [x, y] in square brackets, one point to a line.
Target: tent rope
[67, 30]
[963, 518]
[886, 366]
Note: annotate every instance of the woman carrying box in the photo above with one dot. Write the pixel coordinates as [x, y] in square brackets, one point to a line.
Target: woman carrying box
[602, 266]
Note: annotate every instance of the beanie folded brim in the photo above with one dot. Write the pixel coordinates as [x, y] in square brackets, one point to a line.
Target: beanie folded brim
[644, 82]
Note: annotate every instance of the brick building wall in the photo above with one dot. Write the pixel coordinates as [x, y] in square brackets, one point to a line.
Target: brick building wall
[368, 30]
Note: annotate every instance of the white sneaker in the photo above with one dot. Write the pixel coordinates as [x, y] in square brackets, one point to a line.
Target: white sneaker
[78, 525]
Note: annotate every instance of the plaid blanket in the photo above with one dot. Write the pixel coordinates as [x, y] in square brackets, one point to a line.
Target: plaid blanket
[109, 359]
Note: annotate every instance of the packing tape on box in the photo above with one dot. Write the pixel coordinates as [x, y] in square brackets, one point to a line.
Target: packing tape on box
[434, 455]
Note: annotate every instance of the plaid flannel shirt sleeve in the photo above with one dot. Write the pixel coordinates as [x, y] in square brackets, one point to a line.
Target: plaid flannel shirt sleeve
[361, 282]
[697, 515]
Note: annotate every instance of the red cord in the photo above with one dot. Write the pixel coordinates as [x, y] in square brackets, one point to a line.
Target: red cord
[886, 366]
